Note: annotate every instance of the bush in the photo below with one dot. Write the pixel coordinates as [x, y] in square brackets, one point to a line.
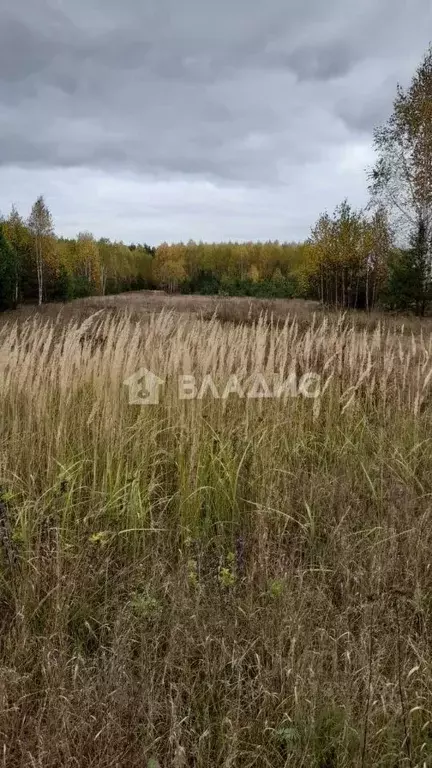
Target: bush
[205, 283]
[262, 289]
[82, 287]
[61, 288]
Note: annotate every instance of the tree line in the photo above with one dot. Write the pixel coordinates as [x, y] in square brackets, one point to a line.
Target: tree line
[352, 258]
[37, 266]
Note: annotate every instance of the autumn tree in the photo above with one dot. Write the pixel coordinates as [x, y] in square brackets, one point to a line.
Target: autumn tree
[402, 176]
[378, 247]
[347, 251]
[8, 272]
[169, 266]
[105, 263]
[87, 263]
[253, 274]
[18, 235]
[41, 227]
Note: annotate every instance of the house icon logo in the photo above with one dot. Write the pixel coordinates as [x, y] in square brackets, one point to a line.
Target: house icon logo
[144, 387]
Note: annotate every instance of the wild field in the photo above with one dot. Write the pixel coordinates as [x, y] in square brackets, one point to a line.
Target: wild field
[228, 582]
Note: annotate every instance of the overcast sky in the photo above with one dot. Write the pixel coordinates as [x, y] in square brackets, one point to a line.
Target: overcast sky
[152, 120]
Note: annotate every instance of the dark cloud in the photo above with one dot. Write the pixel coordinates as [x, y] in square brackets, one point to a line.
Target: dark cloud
[23, 52]
[364, 116]
[246, 93]
[322, 63]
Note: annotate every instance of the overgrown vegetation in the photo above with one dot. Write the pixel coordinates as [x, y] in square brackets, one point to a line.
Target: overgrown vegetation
[208, 582]
[221, 581]
[57, 269]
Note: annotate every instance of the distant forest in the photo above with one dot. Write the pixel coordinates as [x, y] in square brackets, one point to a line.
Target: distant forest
[380, 256]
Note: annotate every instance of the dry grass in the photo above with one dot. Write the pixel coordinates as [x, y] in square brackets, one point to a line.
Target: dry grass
[214, 583]
[227, 309]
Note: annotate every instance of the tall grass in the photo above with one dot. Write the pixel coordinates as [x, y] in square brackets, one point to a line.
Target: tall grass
[239, 582]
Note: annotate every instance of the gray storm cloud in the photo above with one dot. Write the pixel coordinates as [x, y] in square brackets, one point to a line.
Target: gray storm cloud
[243, 94]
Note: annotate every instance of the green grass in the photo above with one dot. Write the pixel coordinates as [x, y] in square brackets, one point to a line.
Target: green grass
[196, 585]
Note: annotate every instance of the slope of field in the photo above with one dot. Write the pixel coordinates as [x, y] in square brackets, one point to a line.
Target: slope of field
[229, 309]
[222, 580]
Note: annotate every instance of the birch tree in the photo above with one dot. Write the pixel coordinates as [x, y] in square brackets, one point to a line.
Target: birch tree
[402, 177]
[41, 227]
[18, 236]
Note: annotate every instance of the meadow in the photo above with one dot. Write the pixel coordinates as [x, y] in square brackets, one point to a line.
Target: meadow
[214, 582]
